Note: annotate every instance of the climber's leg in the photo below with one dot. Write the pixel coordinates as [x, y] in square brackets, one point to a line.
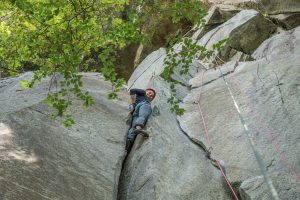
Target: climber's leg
[130, 138]
[144, 113]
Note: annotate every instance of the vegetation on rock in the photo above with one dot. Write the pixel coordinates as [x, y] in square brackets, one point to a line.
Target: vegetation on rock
[54, 37]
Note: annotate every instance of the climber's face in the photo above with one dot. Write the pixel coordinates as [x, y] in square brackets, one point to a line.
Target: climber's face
[150, 94]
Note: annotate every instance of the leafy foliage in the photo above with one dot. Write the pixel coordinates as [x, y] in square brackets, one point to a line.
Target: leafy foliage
[187, 9]
[56, 35]
[181, 59]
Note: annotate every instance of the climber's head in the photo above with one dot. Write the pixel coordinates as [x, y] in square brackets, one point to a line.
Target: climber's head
[150, 94]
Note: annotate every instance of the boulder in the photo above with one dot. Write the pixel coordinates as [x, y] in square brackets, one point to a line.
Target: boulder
[42, 159]
[216, 15]
[246, 31]
[150, 67]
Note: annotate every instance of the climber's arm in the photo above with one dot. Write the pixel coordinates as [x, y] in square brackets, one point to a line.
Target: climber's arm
[136, 92]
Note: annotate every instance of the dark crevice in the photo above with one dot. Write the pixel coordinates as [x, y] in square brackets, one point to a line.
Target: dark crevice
[122, 175]
[174, 80]
[199, 144]
[179, 82]
[236, 185]
[38, 111]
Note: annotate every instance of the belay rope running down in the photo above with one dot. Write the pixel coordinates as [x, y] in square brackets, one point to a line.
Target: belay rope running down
[258, 158]
[210, 144]
[273, 141]
[251, 141]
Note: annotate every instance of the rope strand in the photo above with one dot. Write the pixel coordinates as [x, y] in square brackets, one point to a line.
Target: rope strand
[251, 141]
[271, 138]
[210, 144]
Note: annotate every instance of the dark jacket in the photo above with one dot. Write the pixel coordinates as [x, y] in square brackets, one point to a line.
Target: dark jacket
[140, 95]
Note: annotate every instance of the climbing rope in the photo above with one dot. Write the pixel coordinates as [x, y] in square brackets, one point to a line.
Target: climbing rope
[273, 141]
[201, 114]
[210, 144]
[251, 141]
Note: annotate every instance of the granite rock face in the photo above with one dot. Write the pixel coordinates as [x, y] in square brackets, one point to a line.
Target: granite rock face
[254, 188]
[287, 21]
[265, 6]
[41, 159]
[216, 16]
[265, 88]
[246, 31]
[167, 165]
[282, 45]
[267, 92]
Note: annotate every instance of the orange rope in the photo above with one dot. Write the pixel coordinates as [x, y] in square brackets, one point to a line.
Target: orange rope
[209, 142]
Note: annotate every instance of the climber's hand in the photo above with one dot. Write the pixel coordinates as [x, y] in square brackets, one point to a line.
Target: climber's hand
[138, 127]
[131, 107]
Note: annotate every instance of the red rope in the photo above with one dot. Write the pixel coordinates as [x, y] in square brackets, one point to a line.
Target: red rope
[209, 141]
[270, 136]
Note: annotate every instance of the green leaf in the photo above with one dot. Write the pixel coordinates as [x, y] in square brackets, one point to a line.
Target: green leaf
[24, 84]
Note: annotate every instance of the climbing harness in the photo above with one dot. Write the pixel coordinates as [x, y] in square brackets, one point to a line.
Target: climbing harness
[251, 141]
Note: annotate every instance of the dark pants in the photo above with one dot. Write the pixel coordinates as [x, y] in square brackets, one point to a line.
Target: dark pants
[139, 118]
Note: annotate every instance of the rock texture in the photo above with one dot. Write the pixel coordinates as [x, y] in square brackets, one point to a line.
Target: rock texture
[287, 21]
[281, 45]
[254, 188]
[168, 165]
[216, 16]
[41, 159]
[246, 31]
[265, 6]
[263, 74]
[267, 92]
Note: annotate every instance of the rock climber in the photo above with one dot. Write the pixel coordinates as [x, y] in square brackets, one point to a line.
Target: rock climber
[140, 112]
